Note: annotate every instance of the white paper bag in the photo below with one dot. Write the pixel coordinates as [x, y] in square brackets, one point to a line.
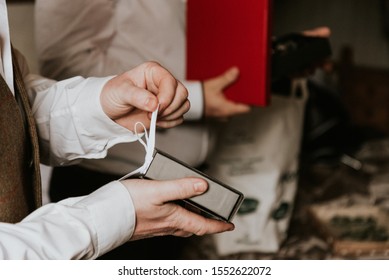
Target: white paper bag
[258, 154]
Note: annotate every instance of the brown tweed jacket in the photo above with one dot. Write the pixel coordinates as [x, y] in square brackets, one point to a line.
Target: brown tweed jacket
[20, 183]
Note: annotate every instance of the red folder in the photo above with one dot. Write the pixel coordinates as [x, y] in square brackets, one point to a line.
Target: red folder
[226, 33]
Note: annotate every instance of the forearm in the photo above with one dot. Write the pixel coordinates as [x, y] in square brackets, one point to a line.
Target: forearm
[70, 121]
[76, 228]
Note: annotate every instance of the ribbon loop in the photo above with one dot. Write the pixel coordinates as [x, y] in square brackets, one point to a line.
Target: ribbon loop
[149, 145]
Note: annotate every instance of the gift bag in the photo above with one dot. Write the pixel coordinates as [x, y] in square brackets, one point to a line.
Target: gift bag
[258, 153]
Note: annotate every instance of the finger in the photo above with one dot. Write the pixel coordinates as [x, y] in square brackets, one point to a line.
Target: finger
[191, 222]
[141, 99]
[236, 109]
[179, 99]
[119, 96]
[227, 108]
[170, 190]
[323, 31]
[182, 233]
[176, 114]
[164, 191]
[163, 84]
[171, 123]
[130, 120]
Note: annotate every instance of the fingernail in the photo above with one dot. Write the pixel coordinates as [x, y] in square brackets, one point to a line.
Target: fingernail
[151, 103]
[200, 186]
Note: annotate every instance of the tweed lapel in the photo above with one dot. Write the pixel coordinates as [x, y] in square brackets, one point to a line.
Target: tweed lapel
[20, 88]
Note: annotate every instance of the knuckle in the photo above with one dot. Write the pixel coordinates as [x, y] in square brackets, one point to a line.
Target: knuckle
[198, 226]
[200, 231]
[152, 64]
[184, 92]
[186, 106]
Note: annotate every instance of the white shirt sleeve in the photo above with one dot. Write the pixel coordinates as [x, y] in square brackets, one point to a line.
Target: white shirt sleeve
[196, 98]
[75, 228]
[70, 121]
[72, 124]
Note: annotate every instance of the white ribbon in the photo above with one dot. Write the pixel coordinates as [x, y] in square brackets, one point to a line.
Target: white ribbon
[149, 145]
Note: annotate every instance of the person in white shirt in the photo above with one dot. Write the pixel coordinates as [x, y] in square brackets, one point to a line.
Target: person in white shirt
[82, 118]
[104, 37]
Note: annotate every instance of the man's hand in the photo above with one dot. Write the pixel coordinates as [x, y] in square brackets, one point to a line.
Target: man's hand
[322, 31]
[132, 96]
[216, 104]
[157, 215]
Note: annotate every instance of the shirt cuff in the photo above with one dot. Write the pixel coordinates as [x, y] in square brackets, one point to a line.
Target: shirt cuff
[113, 213]
[95, 124]
[196, 98]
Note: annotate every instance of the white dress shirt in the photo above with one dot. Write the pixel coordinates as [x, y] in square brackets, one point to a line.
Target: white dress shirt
[5, 48]
[105, 37]
[82, 227]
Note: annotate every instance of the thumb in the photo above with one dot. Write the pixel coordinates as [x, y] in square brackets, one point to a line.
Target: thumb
[184, 188]
[228, 77]
[119, 96]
